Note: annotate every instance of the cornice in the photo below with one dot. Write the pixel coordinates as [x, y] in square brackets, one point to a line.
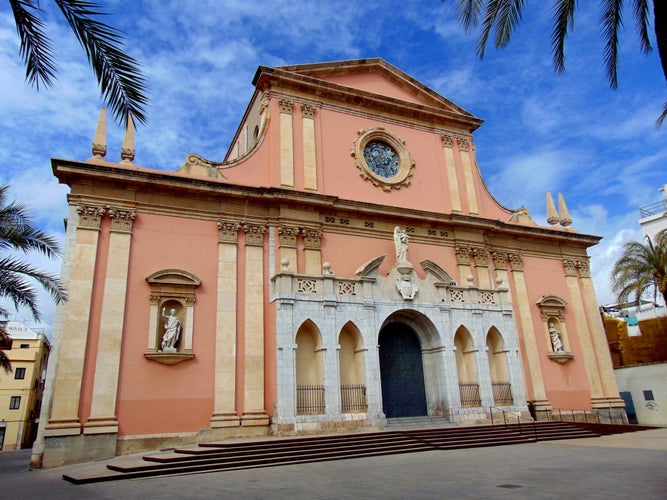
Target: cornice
[218, 191]
[279, 79]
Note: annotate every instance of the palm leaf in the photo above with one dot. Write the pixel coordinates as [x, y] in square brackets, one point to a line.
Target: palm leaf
[611, 23]
[563, 21]
[121, 81]
[35, 48]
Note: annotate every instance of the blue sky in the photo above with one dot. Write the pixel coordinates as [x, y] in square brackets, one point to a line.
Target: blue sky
[542, 132]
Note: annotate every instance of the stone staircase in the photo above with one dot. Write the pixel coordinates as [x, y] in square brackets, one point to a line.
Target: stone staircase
[211, 457]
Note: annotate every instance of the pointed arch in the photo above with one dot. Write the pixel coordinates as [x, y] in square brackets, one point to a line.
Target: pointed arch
[498, 368]
[466, 366]
[309, 369]
[352, 372]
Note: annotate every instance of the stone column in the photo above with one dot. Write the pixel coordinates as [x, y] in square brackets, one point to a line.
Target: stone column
[107, 364]
[64, 420]
[224, 403]
[463, 261]
[599, 338]
[465, 146]
[286, 144]
[309, 153]
[312, 239]
[253, 395]
[501, 264]
[288, 235]
[450, 165]
[481, 256]
[580, 320]
[525, 320]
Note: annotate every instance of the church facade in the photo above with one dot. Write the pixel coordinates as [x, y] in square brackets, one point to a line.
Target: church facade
[344, 264]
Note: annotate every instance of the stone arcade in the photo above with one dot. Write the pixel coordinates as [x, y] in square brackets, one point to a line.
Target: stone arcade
[343, 265]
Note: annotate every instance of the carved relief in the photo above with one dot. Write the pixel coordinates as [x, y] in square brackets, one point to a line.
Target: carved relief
[286, 106]
[481, 256]
[121, 220]
[228, 232]
[463, 254]
[570, 267]
[584, 268]
[312, 238]
[90, 217]
[516, 261]
[405, 284]
[464, 143]
[288, 235]
[254, 234]
[500, 259]
[307, 110]
[447, 141]
[383, 159]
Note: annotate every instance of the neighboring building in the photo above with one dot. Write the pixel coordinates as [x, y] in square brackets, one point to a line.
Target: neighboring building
[637, 336]
[654, 216]
[21, 390]
[343, 265]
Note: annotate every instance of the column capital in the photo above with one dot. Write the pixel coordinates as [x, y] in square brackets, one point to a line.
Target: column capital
[286, 106]
[90, 217]
[516, 261]
[228, 231]
[463, 254]
[122, 219]
[254, 234]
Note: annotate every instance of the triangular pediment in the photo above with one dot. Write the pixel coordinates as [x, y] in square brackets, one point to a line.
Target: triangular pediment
[374, 78]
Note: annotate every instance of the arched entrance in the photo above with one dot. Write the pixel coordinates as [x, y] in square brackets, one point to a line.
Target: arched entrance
[401, 372]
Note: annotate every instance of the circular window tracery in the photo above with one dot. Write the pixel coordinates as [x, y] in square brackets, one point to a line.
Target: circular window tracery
[383, 159]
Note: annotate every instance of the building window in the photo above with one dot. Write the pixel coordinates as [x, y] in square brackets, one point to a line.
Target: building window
[19, 374]
[15, 402]
[25, 346]
[648, 396]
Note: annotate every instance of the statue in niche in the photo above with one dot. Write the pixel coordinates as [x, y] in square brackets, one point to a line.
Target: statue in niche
[556, 341]
[172, 330]
[401, 243]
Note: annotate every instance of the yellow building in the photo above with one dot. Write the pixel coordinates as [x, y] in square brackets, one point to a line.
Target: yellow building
[21, 389]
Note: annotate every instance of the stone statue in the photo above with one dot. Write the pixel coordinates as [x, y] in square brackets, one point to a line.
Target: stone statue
[556, 341]
[401, 243]
[172, 330]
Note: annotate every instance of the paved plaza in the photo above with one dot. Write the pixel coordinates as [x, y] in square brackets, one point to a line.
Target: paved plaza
[623, 466]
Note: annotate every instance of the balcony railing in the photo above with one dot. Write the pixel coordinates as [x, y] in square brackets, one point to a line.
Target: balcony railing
[659, 207]
[470, 395]
[309, 399]
[353, 398]
[502, 393]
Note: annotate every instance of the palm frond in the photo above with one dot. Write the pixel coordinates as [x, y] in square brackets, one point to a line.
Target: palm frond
[509, 16]
[5, 364]
[641, 11]
[35, 48]
[469, 12]
[119, 76]
[20, 291]
[611, 24]
[563, 21]
[490, 16]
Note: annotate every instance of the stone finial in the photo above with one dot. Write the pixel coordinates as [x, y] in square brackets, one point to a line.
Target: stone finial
[552, 214]
[565, 219]
[100, 139]
[127, 149]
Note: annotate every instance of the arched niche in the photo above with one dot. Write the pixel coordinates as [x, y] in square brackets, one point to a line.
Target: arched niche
[172, 300]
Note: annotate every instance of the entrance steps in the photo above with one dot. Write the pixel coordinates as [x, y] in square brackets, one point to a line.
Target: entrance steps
[406, 423]
[269, 452]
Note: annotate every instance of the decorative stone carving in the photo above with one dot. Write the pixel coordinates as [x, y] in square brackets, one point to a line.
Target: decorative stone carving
[464, 143]
[481, 256]
[326, 269]
[90, 217]
[401, 240]
[286, 106]
[307, 110]
[288, 235]
[312, 238]
[462, 255]
[570, 267]
[447, 140]
[383, 159]
[556, 341]
[584, 268]
[405, 284]
[254, 234]
[516, 261]
[500, 259]
[228, 231]
[172, 330]
[121, 220]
